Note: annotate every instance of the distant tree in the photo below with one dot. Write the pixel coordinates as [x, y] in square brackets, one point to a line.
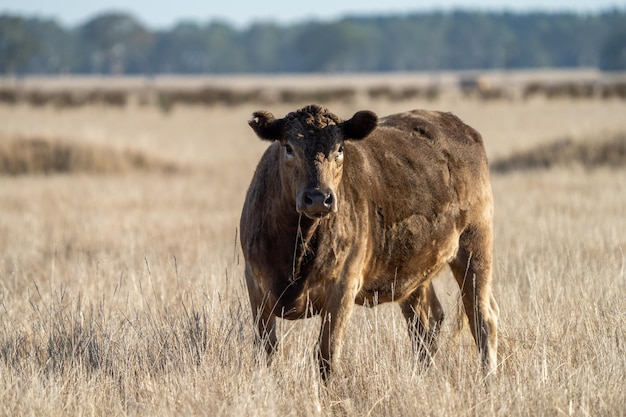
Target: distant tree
[57, 48]
[407, 43]
[17, 44]
[264, 45]
[115, 43]
[193, 48]
[613, 53]
[321, 47]
[225, 51]
[184, 49]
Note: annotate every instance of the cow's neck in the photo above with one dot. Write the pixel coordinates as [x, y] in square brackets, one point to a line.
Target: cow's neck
[298, 234]
[306, 242]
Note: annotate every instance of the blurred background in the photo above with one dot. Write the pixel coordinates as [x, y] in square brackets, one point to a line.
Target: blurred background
[142, 37]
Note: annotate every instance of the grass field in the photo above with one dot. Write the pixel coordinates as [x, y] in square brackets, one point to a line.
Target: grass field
[122, 291]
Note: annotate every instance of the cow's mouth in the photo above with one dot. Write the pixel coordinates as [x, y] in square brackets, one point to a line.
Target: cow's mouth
[317, 215]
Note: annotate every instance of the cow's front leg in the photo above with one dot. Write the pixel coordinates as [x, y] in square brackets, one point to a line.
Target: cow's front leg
[335, 316]
[262, 316]
[265, 335]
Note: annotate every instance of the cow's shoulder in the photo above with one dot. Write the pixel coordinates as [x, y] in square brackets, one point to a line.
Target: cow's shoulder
[262, 192]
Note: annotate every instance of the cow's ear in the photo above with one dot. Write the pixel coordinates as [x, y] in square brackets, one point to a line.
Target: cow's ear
[360, 125]
[266, 126]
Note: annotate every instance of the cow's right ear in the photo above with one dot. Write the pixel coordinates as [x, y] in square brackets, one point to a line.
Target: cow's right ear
[266, 126]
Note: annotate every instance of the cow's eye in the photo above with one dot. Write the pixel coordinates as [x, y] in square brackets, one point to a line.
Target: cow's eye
[288, 150]
[339, 154]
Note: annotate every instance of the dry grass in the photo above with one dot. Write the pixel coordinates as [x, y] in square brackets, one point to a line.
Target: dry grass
[590, 154]
[123, 294]
[27, 156]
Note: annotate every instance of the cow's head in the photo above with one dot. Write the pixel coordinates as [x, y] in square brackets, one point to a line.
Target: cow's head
[312, 153]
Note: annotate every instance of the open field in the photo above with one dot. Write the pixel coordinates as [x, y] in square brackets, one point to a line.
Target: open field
[122, 290]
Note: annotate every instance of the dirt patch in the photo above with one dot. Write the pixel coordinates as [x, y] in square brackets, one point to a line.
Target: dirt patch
[610, 152]
[26, 156]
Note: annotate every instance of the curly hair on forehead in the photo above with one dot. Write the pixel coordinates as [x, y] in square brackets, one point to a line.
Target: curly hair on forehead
[315, 116]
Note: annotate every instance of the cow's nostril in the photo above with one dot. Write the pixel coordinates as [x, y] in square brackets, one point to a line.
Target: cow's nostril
[329, 200]
[316, 202]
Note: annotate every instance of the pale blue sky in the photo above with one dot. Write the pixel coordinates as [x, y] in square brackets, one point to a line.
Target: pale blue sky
[163, 14]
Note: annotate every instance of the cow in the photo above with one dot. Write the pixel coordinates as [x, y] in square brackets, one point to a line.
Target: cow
[366, 211]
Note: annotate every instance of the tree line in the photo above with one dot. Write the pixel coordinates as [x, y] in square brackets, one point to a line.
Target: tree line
[115, 43]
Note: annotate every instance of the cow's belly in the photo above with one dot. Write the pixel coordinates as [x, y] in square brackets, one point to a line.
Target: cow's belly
[405, 265]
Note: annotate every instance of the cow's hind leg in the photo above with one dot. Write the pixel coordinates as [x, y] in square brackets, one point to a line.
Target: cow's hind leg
[472, 271]
[424, 315]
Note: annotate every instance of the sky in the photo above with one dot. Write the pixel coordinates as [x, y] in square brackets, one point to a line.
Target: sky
[241, 13]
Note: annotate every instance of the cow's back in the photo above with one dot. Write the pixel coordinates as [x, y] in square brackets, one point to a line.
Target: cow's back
[420, 162]
[424, 178]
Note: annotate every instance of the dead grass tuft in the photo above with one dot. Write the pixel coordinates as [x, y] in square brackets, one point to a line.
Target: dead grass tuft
[567, 152]
[27, 156]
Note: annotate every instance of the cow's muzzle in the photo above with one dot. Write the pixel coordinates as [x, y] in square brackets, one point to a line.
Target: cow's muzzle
[315, 203]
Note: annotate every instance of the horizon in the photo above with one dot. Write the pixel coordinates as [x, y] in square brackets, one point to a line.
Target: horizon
[234, 13]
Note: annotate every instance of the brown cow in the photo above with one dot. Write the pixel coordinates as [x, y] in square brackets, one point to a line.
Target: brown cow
[363, 211]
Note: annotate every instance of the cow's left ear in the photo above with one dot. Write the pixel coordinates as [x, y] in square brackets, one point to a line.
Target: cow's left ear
[266, 126]
[360, 125]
